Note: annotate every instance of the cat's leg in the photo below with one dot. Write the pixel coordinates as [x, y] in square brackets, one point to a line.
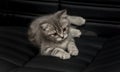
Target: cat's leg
[72, 49]
[75, 32]
[77, 20]
[56, 52]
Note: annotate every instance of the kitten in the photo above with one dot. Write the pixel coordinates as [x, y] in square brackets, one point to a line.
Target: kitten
[53, 34]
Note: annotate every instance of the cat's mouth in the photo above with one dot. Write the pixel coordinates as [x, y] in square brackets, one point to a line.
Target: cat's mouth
[61, 38]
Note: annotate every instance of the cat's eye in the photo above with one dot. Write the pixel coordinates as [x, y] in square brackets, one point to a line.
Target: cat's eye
[64, 29]
[65, 17]
[55, 34]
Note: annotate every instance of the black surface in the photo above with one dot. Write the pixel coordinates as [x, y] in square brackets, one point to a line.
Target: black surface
[96, 54]
[17, 50]
[108, 60]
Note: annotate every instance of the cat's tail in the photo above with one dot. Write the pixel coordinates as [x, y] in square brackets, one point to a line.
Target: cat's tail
[77, 20]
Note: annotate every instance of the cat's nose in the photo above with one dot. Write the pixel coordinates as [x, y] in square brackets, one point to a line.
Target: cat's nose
[61, 35]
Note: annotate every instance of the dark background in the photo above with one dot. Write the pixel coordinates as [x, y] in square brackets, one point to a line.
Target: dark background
[102, 16]
[99, 44]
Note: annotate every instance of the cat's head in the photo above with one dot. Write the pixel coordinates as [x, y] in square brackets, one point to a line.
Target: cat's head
[56, 27]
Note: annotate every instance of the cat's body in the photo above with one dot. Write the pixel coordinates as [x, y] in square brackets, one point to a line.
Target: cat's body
[54, 35]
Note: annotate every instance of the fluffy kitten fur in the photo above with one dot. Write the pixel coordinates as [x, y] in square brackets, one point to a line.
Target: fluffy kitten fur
[53, 34]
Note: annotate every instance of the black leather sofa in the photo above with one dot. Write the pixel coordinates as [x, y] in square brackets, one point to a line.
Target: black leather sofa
[99, 44]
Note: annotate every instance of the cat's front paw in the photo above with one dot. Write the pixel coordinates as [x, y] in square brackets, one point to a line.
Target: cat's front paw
[64, 55]
[78, 33]
[60, 53]
[73, 50]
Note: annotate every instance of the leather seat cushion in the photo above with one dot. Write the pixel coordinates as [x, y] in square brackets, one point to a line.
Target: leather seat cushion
[108, 60]
[16, 50]
[14, 45]
[88, 47]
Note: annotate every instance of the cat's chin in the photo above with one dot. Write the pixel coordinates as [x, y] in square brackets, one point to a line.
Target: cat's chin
[59, 39]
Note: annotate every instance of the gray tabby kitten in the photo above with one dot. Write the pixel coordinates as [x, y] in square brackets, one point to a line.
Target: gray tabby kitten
[53, 34]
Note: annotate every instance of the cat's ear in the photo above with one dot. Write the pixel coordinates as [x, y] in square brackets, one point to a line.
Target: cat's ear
[44, 26]
[62, 13]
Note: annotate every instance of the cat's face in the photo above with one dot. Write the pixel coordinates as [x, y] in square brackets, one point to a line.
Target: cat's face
[56, 28]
